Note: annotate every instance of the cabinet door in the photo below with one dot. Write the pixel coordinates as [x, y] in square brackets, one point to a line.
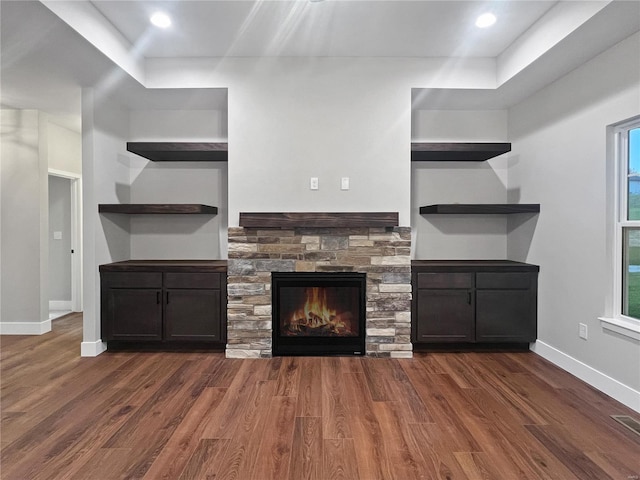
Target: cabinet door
[192, 314]
[133, 314]
[505, 316]
[444, 315]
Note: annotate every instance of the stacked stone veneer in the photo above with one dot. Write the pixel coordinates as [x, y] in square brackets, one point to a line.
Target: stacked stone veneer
[382, 253]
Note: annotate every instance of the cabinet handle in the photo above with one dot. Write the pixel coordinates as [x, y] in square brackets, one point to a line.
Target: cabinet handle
[167, 298]
[469, 298]
[157, 298]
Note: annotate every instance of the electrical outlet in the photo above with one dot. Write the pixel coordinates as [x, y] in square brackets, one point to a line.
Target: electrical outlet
[583, 331]
[313, 183]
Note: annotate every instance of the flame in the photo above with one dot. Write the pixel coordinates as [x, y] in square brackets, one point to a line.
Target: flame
[316, 313]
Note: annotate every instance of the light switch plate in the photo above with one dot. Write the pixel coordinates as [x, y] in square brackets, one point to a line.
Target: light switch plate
[344, 183]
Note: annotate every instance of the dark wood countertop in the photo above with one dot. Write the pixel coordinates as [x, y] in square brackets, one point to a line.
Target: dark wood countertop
[475, 265]
[166, 266]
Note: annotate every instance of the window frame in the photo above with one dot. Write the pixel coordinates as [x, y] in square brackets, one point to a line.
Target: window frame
[617, 321]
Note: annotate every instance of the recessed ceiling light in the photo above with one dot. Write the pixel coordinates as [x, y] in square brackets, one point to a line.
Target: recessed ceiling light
[160, 19]
[485, 20]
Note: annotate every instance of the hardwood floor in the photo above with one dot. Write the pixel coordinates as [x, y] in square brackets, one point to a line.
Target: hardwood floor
[201, 416]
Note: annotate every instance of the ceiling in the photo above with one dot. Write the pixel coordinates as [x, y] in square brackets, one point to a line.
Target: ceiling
[45, 60]
[330, 28]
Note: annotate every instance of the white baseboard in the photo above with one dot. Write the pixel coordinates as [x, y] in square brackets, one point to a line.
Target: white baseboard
[60, 305]
[92, 349]
[25, 328]
[598, 380]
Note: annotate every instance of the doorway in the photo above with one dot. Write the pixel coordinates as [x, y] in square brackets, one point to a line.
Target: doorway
[65, 240]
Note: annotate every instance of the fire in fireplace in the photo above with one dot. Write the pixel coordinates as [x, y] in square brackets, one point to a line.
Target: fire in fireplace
[318, 313]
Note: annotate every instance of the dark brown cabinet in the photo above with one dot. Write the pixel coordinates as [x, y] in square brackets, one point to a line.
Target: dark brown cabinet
[163, 301]
[446, 306]
[474, 302]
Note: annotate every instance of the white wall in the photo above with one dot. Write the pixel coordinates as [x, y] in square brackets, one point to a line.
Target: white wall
[65, 148]
[459, 236]
[559, 159]
[23, 216]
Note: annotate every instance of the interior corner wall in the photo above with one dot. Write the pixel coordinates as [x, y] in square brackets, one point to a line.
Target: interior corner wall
[559, 160]
[24, 190]
[105, 167]
[459, 237]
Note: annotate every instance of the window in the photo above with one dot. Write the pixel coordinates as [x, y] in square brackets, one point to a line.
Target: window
[628, 153]
[626, 237]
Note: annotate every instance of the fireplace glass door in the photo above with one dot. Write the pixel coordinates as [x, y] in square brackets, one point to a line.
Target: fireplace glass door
[318, 313]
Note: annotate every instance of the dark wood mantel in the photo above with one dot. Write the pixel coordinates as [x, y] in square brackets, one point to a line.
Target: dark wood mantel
[318, 219]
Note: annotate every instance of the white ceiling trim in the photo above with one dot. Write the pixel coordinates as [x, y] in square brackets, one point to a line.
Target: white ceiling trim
[85, 19]
[559, 22]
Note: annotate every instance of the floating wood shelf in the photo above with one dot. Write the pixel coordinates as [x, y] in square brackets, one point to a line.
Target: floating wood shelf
[480, 208]
[318, 219]
[456, 151]
[157, 208]
[180, 151]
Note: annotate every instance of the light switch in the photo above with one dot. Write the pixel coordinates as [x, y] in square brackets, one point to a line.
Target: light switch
[313, 183]
[57, 235]
[344, 183]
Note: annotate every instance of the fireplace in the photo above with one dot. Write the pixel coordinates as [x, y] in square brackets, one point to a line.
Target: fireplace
[269, 244]
[318, 313]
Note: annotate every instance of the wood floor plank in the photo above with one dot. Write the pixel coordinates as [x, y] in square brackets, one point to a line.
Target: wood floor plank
[444, 407]
[229, 413]
[402, 390]
[225, 372]
[436, 449]
[616, 464]
[505, 387]
[178, 450]
[377, 382]
[406, 460]
[334, 399]
[307, 450]
[478, 466]
[242, 452]
[310, 388]
[205, 459]
[108, 465]
[149, 437]
[558, 443]
[289, 377]
[371, 455]
[338, 460]
[274, 454]
[456, 365]
[530, 460]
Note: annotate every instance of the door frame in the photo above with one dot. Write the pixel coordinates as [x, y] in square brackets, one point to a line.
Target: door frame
[76, 235]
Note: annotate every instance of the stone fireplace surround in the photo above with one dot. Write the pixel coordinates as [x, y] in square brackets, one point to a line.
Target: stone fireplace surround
[369, 243]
